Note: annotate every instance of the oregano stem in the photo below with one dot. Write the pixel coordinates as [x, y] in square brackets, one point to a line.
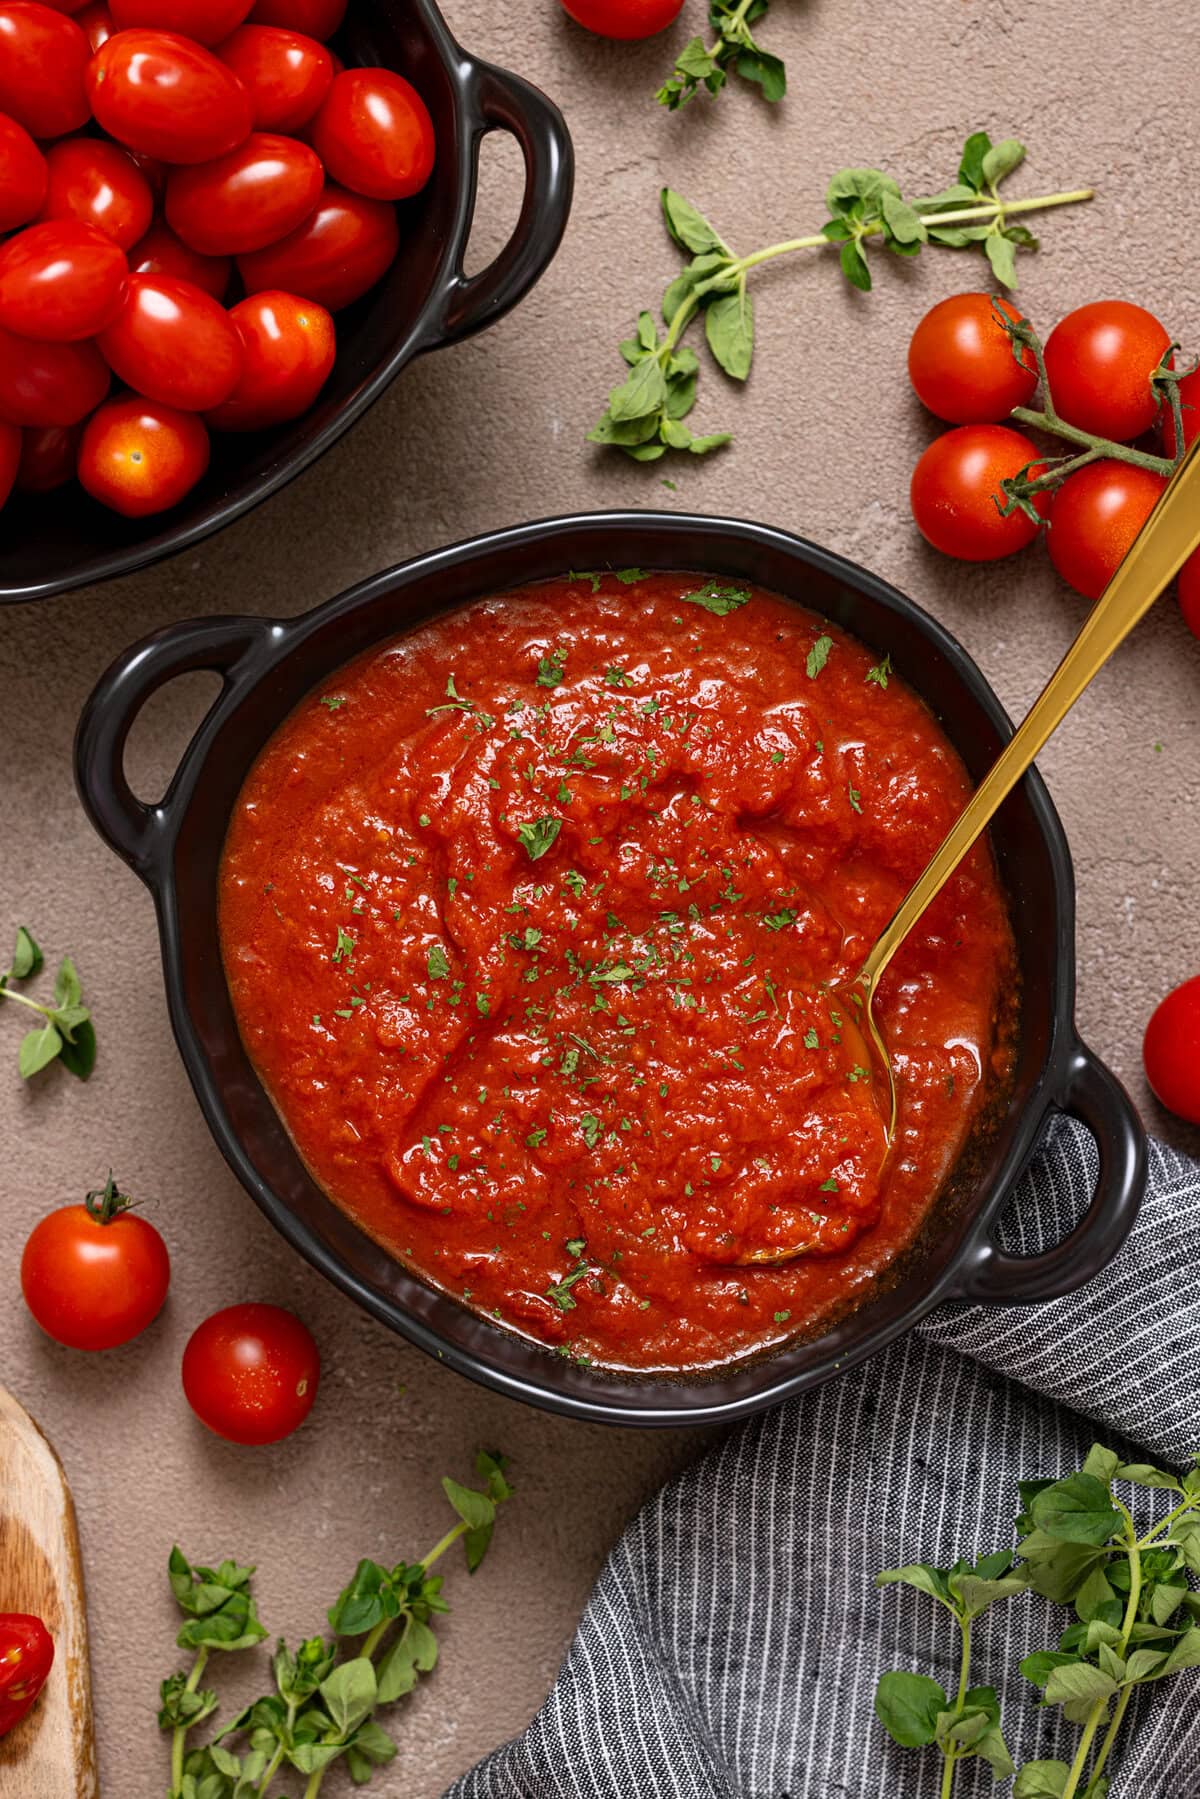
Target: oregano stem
[1096, 1715]
[1186, 1504]
[950, 1753]
[439, 1549]
[23, 999]
[179, 1734]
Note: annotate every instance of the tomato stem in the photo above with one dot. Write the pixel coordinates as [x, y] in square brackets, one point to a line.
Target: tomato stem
[107, 1202]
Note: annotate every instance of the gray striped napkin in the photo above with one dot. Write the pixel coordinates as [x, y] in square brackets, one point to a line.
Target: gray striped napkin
[731, 1646]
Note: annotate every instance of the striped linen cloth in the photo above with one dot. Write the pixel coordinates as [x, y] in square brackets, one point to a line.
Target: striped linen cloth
[731, 1646]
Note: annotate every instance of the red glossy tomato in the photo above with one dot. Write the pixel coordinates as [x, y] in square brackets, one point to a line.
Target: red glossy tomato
[26, 1658]
[22, 175]
[286, 74]
[161, 253]
[624, 18]
[99, 184]
[167, 97]
[43, 56]
[340, 251]
[173, 343]
[1095, 517]
[207, 21]
[374, 134]
[10, 459]
[1171, 1051]
[315, 18]
[61, 281]
[250, 1373]
[48, 458]
[95, 21]
[955, 488]
[1099, 361]
[1189, 394]
[95, 1275]
[246, 200]
[1189, 593]
[138, 457]
[49, 384]
[961, 362]
[288, 347]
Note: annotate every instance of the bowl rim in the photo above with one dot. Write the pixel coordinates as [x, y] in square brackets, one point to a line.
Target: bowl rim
[273, 642]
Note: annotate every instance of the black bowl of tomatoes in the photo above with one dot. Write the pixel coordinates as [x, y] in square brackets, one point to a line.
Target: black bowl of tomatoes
[225, 226]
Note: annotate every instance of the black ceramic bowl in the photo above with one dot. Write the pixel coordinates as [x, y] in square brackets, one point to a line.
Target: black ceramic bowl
[268, 665]
[62, 540]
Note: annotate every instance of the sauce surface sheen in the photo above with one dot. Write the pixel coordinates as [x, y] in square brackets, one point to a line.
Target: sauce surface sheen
[531, 918]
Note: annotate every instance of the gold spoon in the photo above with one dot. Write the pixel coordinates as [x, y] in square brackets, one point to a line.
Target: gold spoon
[1159, 551]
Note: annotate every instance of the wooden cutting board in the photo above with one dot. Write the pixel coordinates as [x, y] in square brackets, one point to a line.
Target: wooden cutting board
[51, 1754]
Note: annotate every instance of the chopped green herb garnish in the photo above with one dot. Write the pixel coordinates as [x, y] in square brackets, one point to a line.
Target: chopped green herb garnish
[538, 836]
[438, 965]
[879, 674]
[818, 656]
[717, 599]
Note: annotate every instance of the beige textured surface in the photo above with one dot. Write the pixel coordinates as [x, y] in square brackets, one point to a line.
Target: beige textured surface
[487, 435]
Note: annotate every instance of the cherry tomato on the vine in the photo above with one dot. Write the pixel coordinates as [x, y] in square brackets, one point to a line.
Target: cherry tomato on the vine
[22, 175]
[1171, 1051]
[207, 21]
[286, 74]
[374, 134]
[95, 1275]
[961, 362]
[98, 183]
[340, 251]
[10, 459]
[956, 487]
[138, 457]
[1189, 593]
[96, 23]
[49, 384]
[160, 252]
[624, 18]
[1099, 361]
[173, 343]
[288, 347]
[247, 199]
[1189, 395]
[250, 1373]
[43, 55]
[315, 18]
[1094, 518]
[26, 1658]
[48, 457]
[166, 96]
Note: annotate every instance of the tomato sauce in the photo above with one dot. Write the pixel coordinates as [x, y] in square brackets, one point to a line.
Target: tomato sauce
[534, 920]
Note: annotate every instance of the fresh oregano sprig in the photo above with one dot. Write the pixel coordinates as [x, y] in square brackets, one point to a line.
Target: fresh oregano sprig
[1136, 1622]
[645, 411]
[326, 1693]
[702, 65]
[65, 1033]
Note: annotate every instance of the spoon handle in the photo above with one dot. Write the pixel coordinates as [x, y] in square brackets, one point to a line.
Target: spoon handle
[1162, 546]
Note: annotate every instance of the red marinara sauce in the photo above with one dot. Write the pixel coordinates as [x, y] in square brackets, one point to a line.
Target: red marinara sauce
[531, 919]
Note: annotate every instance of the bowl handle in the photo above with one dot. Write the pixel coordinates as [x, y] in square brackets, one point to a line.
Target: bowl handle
[226, 646]
[492, 99]
[1094, 1095]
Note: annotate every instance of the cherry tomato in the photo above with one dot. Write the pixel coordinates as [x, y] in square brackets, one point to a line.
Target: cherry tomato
[250, 1373]
[43, 56]
[1171, 1051]
[99, 184]
[1099, 361]
[624, 18]
[315, 18]
[246, 200]
[61, 281]
[374, 134]
[1189, 593]
[167, 97]
[10, 459]
[161, 253]
[138, 457]
[48, 457]
[207, 21]
[955, 487]
[1189, 394]
[961, 362]
[26, 1658]
[95, 21]
[288, 347]
[173, 343]
[49, 384]
[22, 175]
[286, 74]
[95, 1275]
[341, 250]
[1095, 516]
